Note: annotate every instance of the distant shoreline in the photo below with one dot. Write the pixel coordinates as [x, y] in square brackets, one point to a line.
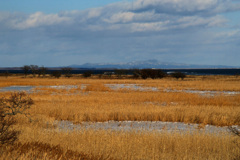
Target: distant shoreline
[192, 71]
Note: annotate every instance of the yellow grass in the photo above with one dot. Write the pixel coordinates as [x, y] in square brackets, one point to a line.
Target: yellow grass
[102, 144]
[99, 103]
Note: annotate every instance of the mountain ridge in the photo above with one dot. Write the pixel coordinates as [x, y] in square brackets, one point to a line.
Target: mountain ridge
[152, 63]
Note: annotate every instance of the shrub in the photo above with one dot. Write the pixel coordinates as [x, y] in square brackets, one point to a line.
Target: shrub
[42, 71]
[18, 103]
[25, 69]
[178, 75]
[67, 72]
[152, 73]
[87, 74]
[56, 74]
[34, 69]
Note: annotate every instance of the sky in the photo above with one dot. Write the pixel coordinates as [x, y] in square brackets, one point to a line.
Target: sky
[66, 32]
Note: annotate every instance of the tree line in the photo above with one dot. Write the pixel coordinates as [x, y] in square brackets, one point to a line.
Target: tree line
[67, 72]
[42, 71]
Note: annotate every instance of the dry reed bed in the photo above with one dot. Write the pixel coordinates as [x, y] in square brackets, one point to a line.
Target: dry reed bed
[99, 103]
[140, 106]
[91, 144]
[214, 83]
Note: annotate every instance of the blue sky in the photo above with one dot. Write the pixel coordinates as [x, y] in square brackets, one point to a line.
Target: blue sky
[50, 6]
[61, 33]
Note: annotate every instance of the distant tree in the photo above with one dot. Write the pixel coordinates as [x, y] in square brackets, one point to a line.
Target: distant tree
[26, 69]
[161, 74]
[145, 73]
[151, 73]
[120, 72]
[109, 74]
[237, 75]
[34, 69]
[42, 71]
[56, 74]
[178, 75]
[136, 73]
[67, 71]
[6, 74]
[87, 74]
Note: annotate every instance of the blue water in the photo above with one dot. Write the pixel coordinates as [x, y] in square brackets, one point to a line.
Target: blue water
[17, 88]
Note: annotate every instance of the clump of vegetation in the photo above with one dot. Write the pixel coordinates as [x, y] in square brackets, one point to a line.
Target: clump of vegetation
[178, 75]
[26, 69]
[87, 74]
[67, 72]
[18, 103]
[42, 71]
[56, 74]
[149, 73]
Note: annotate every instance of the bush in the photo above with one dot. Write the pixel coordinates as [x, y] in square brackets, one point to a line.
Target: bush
[25, 69]
[178, 75]
[56, 74]
[67, 72]
[18, 103]
[150, 73]
[87, 74]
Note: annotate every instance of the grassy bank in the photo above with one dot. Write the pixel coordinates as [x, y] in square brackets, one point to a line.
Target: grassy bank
[98, 103]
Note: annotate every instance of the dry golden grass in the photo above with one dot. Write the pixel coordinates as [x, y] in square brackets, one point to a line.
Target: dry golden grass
[39, 139]
[102, 144]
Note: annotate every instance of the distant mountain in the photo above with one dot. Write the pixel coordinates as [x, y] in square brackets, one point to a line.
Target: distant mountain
[146, 64]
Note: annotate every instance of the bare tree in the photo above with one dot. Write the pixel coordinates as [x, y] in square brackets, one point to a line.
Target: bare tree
[178, 75]
[149, 73]
[6, 74]
[42, 71]
[120, 72]
[56, 74]
[26, 69]
[17, 103]
[34, 69]
[67, 71]
[87, 74]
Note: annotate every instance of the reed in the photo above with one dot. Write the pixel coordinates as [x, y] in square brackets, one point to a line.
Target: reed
[40, 139]
[103, 144]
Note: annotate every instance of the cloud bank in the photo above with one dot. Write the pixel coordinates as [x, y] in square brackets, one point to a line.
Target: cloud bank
[169, 30]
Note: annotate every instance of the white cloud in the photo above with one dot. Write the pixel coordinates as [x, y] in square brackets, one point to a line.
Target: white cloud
[186, 6]
[39, 19]
[151, 14]
[178, 26]
[149, 27]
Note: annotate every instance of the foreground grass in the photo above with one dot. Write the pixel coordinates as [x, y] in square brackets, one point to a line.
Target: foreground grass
[102, 144]
[40, 140]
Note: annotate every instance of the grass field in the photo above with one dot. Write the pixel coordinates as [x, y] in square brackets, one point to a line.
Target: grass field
[39, 138]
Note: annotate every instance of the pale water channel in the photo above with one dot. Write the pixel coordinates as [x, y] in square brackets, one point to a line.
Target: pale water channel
[135, 87]
[142, 126]
[31, 89]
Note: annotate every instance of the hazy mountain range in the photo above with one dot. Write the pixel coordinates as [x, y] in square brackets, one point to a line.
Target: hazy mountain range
[147, 64]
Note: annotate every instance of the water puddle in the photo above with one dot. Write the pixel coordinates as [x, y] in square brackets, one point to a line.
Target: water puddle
[67, 87]
[204, 93]
[31, 89]
[141, 126]
[17, 88]
[136, 87]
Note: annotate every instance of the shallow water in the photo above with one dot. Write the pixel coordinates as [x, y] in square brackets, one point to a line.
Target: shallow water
[32, 88]
[17, 88]
[136, 87]
[141, 126]
[205, 92]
